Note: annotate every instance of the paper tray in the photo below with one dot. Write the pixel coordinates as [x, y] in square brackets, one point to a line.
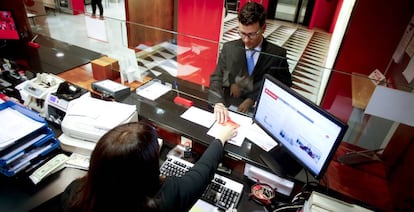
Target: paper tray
[29, 158]
[31, 141]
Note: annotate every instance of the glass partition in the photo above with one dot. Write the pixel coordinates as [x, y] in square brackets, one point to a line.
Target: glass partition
[341, 92]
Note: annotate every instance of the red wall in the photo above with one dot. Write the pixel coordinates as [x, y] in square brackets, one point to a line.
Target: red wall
[201, 19]
[335, 15]
[374, 30]
[323, 14]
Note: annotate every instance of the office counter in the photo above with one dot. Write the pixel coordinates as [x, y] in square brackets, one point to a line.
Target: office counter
[354, 184]
[165, 114]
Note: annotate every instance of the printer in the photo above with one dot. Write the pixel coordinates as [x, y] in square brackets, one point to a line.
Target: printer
[87, 119]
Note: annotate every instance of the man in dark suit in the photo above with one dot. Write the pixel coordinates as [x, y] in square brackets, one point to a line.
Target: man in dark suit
[243, 63]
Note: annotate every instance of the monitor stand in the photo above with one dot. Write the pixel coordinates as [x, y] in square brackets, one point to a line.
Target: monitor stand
[281, 163]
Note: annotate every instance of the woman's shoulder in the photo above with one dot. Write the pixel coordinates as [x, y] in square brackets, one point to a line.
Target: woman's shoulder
[71, 190]
[75, 185]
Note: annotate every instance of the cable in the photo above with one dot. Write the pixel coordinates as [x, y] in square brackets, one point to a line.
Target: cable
[325, 178]
[288, 207]
[301, 196]
[307, 176]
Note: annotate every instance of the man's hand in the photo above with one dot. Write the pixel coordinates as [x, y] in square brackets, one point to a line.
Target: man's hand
[234, 91]
[221, 113]
[245, 105]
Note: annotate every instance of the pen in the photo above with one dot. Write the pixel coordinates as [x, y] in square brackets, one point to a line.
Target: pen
[176, 87]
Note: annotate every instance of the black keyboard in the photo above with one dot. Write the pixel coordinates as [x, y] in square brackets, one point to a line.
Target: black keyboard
[221, 192]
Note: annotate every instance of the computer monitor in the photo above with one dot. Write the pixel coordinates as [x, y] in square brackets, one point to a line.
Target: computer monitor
[8, 28]
[308, 136]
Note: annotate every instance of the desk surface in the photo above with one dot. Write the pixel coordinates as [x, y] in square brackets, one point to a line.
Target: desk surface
[166, 114]
[45, 58]
[356, 184]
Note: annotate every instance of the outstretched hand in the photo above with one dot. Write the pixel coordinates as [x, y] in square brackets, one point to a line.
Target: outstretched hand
[221, 113]
[226, 132]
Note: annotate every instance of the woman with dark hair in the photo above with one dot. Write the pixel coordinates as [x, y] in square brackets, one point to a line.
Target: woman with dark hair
[124, 174]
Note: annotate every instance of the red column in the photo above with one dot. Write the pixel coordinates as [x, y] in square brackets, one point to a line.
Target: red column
[199, 27]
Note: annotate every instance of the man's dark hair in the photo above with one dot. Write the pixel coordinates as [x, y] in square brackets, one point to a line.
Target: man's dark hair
[252, 12]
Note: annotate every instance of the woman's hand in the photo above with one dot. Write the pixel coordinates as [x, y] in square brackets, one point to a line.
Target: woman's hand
[226, 132]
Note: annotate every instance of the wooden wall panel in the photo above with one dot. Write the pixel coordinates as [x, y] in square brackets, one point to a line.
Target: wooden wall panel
[149, 21]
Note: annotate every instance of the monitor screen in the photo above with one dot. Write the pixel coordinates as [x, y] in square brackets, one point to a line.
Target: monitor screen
[8, 29]
[306, 132]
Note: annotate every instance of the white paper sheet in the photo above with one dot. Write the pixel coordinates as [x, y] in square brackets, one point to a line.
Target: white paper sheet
[11, 128]
[152, 90]
[248, 130]
[199, 116]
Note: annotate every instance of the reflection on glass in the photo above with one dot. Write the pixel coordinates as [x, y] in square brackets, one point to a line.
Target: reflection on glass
[291, 10]
[286, 10]
[158, 51]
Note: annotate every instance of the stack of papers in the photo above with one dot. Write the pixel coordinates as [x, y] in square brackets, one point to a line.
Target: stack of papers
[12, 131]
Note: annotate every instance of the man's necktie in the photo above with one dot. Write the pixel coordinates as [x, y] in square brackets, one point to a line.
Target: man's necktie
[250, 61]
